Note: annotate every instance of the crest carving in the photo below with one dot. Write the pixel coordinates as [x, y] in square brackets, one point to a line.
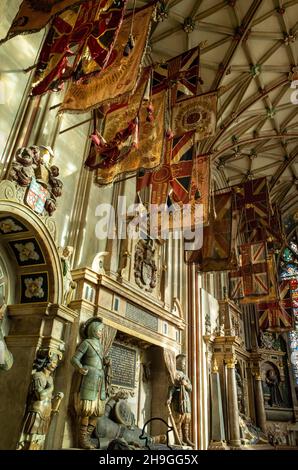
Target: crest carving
[32, 169]
[144, 265]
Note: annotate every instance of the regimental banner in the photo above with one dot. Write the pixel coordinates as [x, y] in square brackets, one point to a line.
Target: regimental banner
[219, 238]
[236, 284]
[181, 74]
[36, 196]
[157, 182]
[252, 279]
[253, 201]
[253, 253]
[191, 182]
[79, 42]
[183, 178]
[274, 317]
[122, 73]
[33, 15]
[177, 150]
[182, 147]
[265, 288]
[148, 152]
[197, 114]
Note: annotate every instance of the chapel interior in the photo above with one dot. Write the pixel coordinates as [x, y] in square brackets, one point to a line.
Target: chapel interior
[122, 326]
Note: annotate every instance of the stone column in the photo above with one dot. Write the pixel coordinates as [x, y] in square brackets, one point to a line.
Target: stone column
[260, 407]
[232, 404]
[218, 438]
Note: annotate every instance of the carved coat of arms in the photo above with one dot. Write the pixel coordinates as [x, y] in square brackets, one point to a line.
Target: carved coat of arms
[144, 265]
[37, 196]
[32, 169]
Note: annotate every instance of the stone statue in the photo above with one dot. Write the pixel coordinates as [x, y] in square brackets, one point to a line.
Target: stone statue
[118, 422]
[90, 362]
[6, 358]
[240, 397]
[179, 400]
[272, 382]
[41, 403]
[276, 436]
[68, 284]
[250, 434]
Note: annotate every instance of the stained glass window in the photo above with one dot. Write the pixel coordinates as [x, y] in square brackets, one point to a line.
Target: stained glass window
[289, 260]
[289, 270]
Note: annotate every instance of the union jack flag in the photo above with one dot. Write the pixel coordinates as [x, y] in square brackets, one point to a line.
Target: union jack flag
[252, 279]
[181, 74]
[159, 179]
[253, 201]
[278, 315]
[253, 197]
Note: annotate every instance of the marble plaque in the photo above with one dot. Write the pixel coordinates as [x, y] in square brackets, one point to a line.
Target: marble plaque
[142, 317]
[123, 365]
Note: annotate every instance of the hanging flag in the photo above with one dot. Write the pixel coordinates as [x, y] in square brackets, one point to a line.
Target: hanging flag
[181, 74]
[33, 15]
[259, 278]
[254, 197]
[253, 200]
[219, 237]
[122, 73]
[274, 317]
[79, 42]
[159, 179]
[278, 316]
[190, 182]
[110, 153]
[122, 152]
[195, 114]
[252, 279]
[178, 187]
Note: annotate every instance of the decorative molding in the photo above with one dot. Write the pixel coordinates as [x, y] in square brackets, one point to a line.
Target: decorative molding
[126, 291]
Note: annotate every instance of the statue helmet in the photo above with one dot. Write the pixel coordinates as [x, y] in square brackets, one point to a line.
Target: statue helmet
[91, 327]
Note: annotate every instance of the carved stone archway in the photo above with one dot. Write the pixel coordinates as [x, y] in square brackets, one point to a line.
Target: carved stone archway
[37, 319]
[20, 226]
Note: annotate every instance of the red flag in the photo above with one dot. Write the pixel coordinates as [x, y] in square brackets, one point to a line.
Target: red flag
[79, 42]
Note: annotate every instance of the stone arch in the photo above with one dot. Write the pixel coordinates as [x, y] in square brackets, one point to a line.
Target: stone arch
[37, 269]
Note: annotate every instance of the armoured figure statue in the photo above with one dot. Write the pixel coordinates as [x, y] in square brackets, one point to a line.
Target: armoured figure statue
[90, 399]
[41, 404]
[178, 397]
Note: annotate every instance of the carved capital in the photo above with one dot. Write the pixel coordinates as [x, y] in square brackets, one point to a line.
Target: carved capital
[214, 366]
[231, 362]
[256, 372]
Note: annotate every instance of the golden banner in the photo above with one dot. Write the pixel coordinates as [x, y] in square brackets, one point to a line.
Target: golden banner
[151, 136]
[33, 15]
[120, 77]
[196, 114]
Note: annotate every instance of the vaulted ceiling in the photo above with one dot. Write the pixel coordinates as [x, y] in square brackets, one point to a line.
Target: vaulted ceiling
[249, 53]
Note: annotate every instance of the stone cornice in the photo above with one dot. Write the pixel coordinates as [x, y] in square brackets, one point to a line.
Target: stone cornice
[129, 293]
[42, 309]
